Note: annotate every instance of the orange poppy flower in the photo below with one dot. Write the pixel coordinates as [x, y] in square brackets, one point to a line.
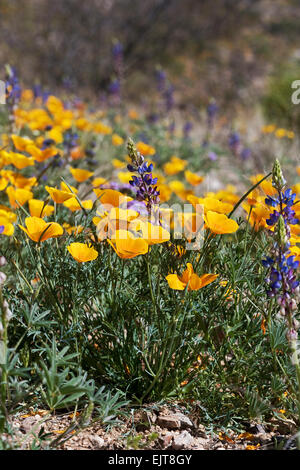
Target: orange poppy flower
[38, 230]
[82, 253]
[191, 279]
[80, 175]
[110, 197]
[41, 155]
[39, 208]
[74, 205]
[127, 246]
[192, 178]
[18, 197]
[210, 204]
[220, 223]
[117, 140]
[59, 196]
[20, 161]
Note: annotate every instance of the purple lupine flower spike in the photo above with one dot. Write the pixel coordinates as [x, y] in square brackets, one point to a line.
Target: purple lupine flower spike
[144, 183]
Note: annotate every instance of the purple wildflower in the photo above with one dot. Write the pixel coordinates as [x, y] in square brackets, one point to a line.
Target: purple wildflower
[144, 183]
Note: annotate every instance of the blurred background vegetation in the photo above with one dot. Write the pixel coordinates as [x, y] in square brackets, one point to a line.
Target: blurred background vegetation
[242, 52]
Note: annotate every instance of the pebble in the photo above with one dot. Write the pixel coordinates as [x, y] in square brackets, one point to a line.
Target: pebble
[182, 441]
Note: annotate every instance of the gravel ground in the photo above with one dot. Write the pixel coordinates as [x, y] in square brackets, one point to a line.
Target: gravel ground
[153, 428]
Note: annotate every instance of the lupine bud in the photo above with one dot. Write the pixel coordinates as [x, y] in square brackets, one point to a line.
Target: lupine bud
[281, 231]
[292, 335]
[296, 324]
[282, 311]
[293, 305]
[8, 312]
[135, 156]
[2, 278]
[277, 176]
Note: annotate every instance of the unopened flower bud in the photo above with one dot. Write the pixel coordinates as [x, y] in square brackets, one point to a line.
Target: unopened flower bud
[281, 231]
[277, 176]
[282, 311]
[2, 261]
[292, 335]
[293, 305]
[2, 278]
[296, 324]
[7, 311]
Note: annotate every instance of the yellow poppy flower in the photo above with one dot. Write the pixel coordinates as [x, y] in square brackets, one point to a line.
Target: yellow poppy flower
[21, 143]
[27, 96]
[6, 212]
[174, 166]
[258, 216]
[101, 128]
[267, 187]
[153, 234]
[54, 104]
[179, 189]
[82, 252]
[20, 161]
[280, 133]
[99, 182]
[5, 221]
[192, 178]
[74, 205]
[80, 175]
[59, 196]
[73, 230]
[18, 197]
[19, 181]
[39, 209]
[76, 153]
[56, 135]
[111, 197]
[118, 164]
[145, 149]
[164, 192]
[117, 140]
[191, 279]
[220, 223]
[41, 155]
[38, 230]
[68, 188]
[125, 177]
[3, 183]
[117, 219]
[127, 246]
[268, 129]
[211, 204]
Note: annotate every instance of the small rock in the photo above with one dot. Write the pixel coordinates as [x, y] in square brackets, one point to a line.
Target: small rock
[256, 428]
[201, 431]
[175, 421]
[182, 441]
[185, 422]
[97, 441]
[169, 422]
[166, 440]
[201, 443]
